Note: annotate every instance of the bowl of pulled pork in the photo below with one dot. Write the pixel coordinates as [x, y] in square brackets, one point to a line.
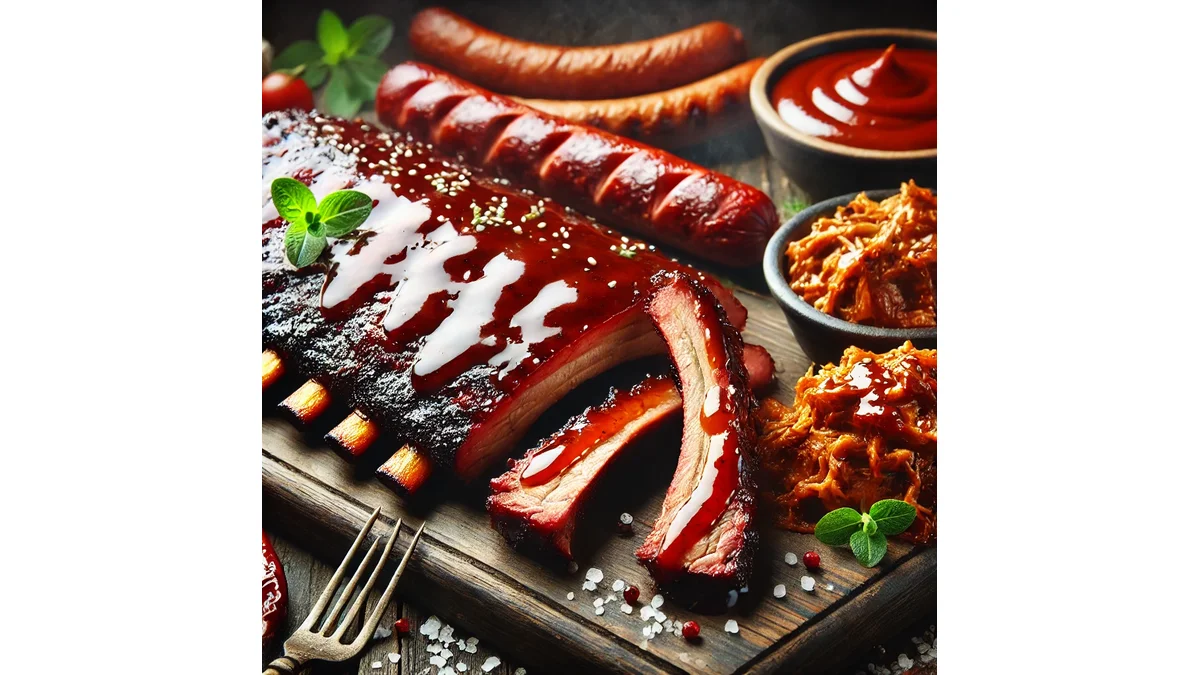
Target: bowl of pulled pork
[858, 270]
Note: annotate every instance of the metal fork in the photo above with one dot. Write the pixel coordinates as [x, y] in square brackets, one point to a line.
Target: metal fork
[307, 644]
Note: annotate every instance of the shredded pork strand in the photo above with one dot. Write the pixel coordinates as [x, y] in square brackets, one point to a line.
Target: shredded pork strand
[860, 431]
[872, 263]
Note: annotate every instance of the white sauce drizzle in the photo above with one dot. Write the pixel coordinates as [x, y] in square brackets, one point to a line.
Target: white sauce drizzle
[704, 490]
[531, 319]
[542, 460]
[471, 310]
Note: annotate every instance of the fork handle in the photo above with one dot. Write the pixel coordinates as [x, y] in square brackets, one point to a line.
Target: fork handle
[284, 665]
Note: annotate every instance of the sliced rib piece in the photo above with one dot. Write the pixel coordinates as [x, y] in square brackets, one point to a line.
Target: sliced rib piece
[540, 497]
[704, 538]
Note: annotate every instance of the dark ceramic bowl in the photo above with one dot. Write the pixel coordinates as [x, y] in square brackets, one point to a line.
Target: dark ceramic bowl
[822, 168]
[824, 337]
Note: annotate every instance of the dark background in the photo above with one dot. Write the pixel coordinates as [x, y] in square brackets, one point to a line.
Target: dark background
[767, 25]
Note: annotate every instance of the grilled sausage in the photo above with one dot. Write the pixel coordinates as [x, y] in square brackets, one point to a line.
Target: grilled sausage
[512, 66]
[620, 182]
[682, 116]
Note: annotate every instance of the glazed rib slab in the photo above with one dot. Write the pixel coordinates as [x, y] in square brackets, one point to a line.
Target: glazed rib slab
[462, 310]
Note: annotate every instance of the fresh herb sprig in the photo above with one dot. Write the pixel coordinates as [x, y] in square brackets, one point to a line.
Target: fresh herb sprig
[792, 206]
[347, 57]
[338, 214]
[866, 533]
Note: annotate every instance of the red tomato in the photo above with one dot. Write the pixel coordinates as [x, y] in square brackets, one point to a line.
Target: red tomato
[282, 91]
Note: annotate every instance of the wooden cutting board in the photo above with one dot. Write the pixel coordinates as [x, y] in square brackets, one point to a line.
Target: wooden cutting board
[464, 572]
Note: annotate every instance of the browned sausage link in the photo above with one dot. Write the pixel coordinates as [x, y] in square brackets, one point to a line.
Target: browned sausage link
[512, 66]
[674, 118]
[620, 182]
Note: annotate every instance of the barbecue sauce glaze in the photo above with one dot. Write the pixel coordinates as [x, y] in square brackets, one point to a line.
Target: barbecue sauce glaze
[452, 294]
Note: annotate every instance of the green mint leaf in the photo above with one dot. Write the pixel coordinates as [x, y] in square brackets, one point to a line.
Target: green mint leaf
[337, 98]
[343, 211]
[302, 245]
[365, 73]
[314, 74]
[893, 515]
[870, 527]
[836, 527]
[369, 35]
[299, 53]
[332, 36]
[869, 549]
[292, 199]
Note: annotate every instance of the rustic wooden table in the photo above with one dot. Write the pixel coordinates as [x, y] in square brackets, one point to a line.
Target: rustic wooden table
[768, 26]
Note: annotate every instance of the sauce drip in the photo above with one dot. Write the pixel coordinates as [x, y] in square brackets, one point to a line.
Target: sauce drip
[863, 98]
[593, 428]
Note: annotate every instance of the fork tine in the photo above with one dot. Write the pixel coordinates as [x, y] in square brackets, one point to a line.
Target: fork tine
[362, 597]
[350, 588]
[370, 624]
[323, 601]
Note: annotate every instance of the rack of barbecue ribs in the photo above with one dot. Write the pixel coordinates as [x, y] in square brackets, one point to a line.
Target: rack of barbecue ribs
[464, 307]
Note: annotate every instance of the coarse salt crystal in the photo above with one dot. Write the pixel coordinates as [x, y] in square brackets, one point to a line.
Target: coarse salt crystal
[618, 585]
[433, 649]
[790, 558]
[626, 608]
[904, 661]
[381, 633]
[438, 661]
[394, 658]
[490, 664]
[808, 583]
[780, 591]
[462, 645]
[431, 626]
[595, 575]
[589, 586]
[598, 602]
[376, 665]
[647, 631]
[599, 610]
[922, 647]
[660, 617]
[446, 654]
[829, 587]
[685, 657]
[657, 601]
[462, 667]
[645, 644]
[519, 671]
[447, 633]
[657, 628]
[571, 595]
[731, 626]
[647, 612]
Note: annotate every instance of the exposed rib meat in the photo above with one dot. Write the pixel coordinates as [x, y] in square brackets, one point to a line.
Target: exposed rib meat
[704, 538]
[562, 470]
[540, 495]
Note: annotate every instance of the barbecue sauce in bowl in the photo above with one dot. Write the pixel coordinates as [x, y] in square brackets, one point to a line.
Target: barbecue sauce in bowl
[864, 98]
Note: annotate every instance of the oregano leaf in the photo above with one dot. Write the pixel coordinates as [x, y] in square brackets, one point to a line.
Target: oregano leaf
[893, 515]
[869, 549]
[292, 199]
[343, 211]
[870, 527]
[302, 245]
[338, 99]
[836, 527]
[369, 35]
[332, 36]
[299, 53]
